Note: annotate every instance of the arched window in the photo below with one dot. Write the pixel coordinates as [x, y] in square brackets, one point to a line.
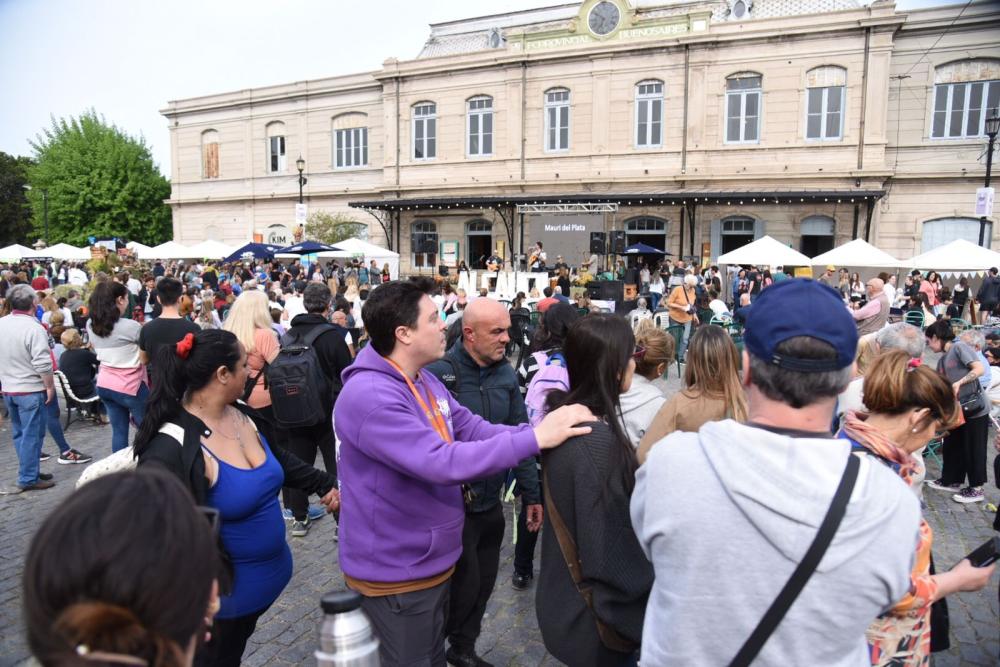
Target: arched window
[648, 230]
[210, 154]
[937, 233]
[276, 147]
[818, 233]
[350, 140]
[479, 126]
[424, 244]
[424, 131]
[825, 95]
[734, 232]
[743, 98]
[966, 93]
[649, 114]
[556, 120]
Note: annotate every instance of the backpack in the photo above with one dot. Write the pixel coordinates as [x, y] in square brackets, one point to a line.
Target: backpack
[552, 374]
[296, 380]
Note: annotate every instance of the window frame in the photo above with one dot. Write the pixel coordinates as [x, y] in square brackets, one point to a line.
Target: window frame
[742, 93]
[824, 113]
[214, 135]
[948, 222]
[556, 105]
[422, 225]
[363, 147]
[426, 138]
[649, 98]
[282, 167]
[480, 112]
[948, 110]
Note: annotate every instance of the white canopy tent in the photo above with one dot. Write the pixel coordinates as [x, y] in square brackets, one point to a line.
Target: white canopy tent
[137, 247]
[14, 251]
[210, 250]
[857, 253]
[959, 256]
[168, 250]
[370, 251]
[67, 252]
[765, 251]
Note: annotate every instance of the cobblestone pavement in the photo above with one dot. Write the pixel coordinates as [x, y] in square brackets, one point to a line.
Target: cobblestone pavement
[287, 634]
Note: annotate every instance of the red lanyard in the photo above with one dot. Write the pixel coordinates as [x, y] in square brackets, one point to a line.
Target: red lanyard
[434, 415]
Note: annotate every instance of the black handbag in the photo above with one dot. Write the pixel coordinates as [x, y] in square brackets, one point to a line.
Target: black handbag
[973, 402]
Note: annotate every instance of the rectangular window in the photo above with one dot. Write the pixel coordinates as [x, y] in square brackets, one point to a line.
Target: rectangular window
[276, 154]
[424, 132]
[961, 109]
[743, 98]
[824, 112]
[350, 148]
[480, 127]
[649, 115]
[557, 120]
[211, 159]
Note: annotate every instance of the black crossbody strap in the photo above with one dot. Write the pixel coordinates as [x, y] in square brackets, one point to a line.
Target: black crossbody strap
[776, 612]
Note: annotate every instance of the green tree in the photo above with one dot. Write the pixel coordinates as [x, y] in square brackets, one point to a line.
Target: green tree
[100, 182]
[330, 228]
[15, 213]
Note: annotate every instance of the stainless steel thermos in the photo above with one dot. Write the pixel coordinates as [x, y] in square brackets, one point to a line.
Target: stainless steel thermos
[345, 636]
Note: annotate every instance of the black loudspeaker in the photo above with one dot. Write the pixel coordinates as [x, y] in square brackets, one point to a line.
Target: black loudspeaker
[598, 244]
[618, 242]
[610, 290]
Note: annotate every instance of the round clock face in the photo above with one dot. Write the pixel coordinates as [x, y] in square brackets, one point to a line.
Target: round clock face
[604, 18]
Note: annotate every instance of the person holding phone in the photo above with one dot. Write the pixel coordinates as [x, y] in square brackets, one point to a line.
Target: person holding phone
[909, 405]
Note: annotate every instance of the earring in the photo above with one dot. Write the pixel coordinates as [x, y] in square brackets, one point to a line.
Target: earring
[914, 430]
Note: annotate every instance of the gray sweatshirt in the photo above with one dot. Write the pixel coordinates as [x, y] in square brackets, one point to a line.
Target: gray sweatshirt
[727, 513]
[24, 354]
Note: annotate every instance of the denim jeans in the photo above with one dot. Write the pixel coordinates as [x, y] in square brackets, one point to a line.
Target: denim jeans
[682, 348]
[119, 407]
[654, 298]
[54, 427]
[27, 423]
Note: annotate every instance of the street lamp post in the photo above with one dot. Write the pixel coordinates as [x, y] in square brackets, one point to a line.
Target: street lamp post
[300, 164]
[45, 210]
[992, 128]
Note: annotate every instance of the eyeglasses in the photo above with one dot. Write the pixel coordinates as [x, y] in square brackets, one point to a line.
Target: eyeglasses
[639, 352]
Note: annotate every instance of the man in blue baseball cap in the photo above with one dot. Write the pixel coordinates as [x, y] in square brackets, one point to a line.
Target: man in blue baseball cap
[727, 514]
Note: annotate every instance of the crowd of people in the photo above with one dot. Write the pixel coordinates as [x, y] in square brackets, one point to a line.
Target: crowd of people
[792, 454]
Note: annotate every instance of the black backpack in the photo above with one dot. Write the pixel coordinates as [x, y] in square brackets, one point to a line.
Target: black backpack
[296, 380]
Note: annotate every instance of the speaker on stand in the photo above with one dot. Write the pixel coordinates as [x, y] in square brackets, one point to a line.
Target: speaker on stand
[618, 242]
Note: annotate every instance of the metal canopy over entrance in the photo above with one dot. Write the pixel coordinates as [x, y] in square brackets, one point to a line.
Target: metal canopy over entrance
[388, 212]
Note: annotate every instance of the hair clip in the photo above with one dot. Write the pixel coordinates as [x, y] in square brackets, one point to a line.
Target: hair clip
[916, 362]
[184, 346]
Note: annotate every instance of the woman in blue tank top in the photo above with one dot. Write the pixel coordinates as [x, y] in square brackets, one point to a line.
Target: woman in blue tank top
[196, 427]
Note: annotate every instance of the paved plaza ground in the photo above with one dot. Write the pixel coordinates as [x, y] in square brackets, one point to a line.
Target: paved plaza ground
[288, 633]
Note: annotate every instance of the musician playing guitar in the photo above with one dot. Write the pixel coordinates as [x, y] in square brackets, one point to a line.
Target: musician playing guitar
[536, 261]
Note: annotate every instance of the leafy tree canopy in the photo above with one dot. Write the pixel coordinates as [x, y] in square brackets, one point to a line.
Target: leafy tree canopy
[329, 228]
[15, 214]
[99, 182]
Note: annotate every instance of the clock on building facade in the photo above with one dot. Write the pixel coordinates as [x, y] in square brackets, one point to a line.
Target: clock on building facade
[604, 18]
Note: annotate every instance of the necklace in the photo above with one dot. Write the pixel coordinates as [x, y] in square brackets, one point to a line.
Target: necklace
[236, 429]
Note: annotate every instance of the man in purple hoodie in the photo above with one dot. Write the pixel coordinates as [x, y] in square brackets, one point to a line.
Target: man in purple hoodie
[406, 446]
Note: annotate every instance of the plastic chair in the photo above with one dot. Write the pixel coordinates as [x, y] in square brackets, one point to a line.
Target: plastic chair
[677, 331]
[932, 449]
[583, 312]
[959, 325]
[914, 317]
[73, 402]
[536, 317]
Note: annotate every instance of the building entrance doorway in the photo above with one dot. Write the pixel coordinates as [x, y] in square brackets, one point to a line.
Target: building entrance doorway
[478, 243]
[736, 233]
[817, 235]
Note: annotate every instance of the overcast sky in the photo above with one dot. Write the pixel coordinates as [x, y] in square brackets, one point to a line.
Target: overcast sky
[127, 58]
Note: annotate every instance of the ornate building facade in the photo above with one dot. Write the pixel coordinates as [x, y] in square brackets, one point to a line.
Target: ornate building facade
[690, 126]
